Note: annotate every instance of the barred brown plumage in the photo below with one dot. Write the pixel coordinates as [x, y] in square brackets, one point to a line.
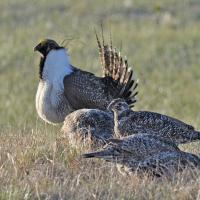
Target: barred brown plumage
[135, 147]
[165, 164]
[88, 124]
[146, 153]
[133, 122]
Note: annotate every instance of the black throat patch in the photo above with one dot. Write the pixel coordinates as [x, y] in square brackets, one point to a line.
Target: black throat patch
[41, 66]
[42, 61]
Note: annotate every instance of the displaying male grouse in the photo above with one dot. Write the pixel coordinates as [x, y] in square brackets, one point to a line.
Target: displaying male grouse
[64, 88]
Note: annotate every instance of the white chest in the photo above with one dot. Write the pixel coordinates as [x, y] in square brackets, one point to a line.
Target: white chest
[51, 104]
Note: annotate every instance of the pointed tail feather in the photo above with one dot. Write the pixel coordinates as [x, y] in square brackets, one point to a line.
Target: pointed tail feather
[105, 154]
[88, 155]
[192, 136]
[114, 66]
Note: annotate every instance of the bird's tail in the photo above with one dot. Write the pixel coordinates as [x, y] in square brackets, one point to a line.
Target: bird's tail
[116, 67]
[106, 154]
[190, 137]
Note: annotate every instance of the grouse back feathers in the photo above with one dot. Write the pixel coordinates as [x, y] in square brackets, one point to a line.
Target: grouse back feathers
[133, 122]
[146, 153]
[91, 125]
[135, 147]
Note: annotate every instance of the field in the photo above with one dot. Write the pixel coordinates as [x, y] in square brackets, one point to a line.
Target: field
[162, 42]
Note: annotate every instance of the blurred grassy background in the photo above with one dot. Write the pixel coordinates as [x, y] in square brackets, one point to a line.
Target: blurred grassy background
[160, 38]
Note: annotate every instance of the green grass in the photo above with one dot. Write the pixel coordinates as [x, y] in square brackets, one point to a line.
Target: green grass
[161, 40]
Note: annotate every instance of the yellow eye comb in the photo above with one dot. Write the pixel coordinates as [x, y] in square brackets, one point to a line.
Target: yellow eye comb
[43, 41]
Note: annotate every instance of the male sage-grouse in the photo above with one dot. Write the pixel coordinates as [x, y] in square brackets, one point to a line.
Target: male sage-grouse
[133, 122]
[64, 88]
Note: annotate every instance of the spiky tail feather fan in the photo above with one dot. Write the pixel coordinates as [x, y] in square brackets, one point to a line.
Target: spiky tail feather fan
[115, 67]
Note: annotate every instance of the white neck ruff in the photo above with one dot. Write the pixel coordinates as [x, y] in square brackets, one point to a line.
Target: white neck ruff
[51, 104]
[57, 65]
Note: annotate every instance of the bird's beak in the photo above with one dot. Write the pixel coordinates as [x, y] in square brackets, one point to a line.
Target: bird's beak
[37, 48]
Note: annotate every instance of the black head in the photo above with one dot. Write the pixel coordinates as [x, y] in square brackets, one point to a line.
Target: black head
[45, 46]
[118, 105]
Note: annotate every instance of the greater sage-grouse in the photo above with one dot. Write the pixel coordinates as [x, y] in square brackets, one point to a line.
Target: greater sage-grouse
[135, 147]
[93, 125]
[164, 164]
[64, 88]
[146, 153]
[133, 122]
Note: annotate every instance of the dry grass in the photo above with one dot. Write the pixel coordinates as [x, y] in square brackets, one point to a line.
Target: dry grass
[161, 38]
[37, 166]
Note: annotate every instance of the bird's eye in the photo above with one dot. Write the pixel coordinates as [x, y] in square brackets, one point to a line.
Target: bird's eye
[43, 42]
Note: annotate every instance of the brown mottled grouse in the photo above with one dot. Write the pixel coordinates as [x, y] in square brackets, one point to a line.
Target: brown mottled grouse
[136, 147]
[165, 163]
[129, 122]
[93, 124]
[146, 153]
